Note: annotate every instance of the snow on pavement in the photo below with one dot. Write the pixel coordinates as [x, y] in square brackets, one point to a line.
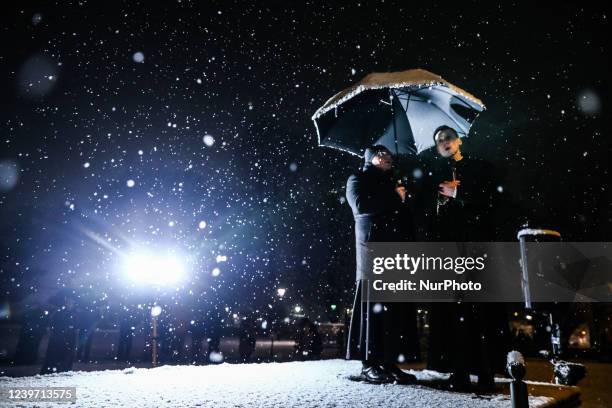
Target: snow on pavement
[294, 384]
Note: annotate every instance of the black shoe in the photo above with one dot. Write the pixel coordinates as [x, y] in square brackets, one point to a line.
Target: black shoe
[376, 375]
[399, 375]
[460, 382]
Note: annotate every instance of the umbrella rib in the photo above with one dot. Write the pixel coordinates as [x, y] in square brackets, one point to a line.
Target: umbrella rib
[441, 89]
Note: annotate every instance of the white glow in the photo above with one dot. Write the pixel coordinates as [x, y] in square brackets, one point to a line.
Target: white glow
[589, 102]
[155, 269]
[156, 311]
[215, 357]
[281, 291]
[138, 57]
[208, 140]
[297, 309]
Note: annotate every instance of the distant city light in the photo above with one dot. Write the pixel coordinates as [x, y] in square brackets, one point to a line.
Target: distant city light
[156, 311]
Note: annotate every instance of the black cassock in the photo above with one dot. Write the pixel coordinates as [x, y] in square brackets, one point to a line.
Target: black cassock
[465, 337]
[381, 332]
[467, 217]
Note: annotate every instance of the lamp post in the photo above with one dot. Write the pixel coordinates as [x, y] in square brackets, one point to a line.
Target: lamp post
[281, 293]
[155, 312]
[151, 269]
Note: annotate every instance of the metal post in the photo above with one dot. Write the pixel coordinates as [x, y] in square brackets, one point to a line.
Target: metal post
[525, 275]
[519, 394]
[522, 237]
[515, 367]
[154, 341]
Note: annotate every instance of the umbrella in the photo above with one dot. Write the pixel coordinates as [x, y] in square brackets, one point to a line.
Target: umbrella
[400, 110]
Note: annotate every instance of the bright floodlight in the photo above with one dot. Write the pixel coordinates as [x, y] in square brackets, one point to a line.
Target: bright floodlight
[154, 269]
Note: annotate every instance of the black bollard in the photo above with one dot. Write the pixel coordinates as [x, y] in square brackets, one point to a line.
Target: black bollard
[518, 389]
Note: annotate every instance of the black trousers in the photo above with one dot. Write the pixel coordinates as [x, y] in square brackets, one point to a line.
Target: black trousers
[381, 332]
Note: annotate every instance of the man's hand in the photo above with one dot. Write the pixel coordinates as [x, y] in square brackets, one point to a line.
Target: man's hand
[449, 188]
[401, 190]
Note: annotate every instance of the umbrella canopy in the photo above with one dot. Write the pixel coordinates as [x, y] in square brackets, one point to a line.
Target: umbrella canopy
[400, 110]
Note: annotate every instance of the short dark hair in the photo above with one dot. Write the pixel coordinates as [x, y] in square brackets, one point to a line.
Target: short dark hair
[444, 127]
[372, 151]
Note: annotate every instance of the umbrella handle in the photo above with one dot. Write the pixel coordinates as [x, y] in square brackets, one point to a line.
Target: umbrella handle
[393, 117]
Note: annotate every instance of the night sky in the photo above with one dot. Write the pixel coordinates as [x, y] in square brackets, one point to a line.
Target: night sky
[186, 127]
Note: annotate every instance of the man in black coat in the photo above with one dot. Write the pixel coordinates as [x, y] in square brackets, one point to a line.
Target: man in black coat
[465, 193]
[463, 198]
[380, 334]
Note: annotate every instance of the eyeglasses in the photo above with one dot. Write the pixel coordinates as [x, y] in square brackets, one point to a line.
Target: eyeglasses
[443, 138]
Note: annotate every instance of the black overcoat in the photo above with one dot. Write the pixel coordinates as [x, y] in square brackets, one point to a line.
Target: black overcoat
[381, 332]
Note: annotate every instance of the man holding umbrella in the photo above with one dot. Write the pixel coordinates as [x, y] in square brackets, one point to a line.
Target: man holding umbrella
[381, 335]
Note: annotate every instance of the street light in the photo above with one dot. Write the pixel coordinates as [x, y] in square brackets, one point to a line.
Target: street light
[154, 269]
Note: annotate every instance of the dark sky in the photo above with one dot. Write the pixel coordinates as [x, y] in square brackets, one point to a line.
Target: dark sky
[107, 108]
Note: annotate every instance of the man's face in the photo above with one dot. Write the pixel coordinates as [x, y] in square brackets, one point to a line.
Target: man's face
[383, 160]
[447, 143]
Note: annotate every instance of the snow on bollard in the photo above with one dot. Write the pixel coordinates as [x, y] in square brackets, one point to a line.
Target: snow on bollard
[515, 364]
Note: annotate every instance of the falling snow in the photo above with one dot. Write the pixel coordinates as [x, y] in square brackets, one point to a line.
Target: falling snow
[186, 131]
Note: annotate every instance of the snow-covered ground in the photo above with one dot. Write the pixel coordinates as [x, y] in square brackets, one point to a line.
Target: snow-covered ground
[295, 384]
